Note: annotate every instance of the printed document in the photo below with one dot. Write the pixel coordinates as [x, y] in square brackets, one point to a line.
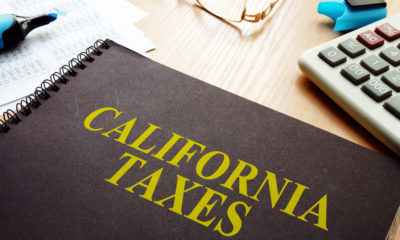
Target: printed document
[80, 23]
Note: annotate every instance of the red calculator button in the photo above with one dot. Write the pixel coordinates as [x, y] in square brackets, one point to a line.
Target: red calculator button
[387, 31]
[370, 39]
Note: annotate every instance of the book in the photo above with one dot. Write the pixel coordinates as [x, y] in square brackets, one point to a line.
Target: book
[118, 146]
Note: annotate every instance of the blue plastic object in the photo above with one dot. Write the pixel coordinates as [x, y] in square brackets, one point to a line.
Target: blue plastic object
[52, 16]
[349, 18]
[14, 29]
[5, 23]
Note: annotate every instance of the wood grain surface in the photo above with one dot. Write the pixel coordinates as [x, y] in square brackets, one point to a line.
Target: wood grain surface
[256, 61]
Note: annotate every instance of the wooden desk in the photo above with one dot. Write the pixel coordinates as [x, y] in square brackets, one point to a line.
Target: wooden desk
[256, 61]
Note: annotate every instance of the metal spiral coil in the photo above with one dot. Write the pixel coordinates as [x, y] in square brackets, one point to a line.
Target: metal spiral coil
[64, 74]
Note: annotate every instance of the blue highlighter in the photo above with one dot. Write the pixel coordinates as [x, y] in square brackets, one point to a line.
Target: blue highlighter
[14, 29]
[353, 14]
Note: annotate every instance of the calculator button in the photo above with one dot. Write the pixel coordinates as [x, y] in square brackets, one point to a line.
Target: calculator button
[375, 64]
[355, 73]
[352, 48]
[387, 31]
[392, 78]
[393, 106]
[392, 55]
[377, 90]
[370, 39]
[332, 56]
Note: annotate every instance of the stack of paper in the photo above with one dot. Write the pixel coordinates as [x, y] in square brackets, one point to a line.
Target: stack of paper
[46, 49]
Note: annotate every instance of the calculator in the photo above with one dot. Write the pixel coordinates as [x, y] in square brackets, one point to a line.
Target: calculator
[360, 71]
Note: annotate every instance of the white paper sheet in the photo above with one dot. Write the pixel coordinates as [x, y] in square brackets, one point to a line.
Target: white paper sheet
[80, 23]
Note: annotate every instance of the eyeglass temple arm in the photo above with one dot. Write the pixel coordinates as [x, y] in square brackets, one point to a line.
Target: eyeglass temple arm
[259, 16]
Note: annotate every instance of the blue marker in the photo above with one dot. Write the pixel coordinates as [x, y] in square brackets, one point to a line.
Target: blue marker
[13, 29]
[353, 14]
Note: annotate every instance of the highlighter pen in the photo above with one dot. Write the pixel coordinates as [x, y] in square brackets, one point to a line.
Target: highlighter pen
[13, 28]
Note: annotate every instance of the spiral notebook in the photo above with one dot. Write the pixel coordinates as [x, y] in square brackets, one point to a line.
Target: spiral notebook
[117, 146]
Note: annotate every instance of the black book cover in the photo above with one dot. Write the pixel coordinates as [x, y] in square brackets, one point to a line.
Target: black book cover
[130, 149]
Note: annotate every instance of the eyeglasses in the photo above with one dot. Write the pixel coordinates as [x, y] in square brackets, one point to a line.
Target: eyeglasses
[235, 10]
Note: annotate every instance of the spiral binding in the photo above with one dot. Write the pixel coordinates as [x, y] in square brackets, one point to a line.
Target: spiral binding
[24, 107]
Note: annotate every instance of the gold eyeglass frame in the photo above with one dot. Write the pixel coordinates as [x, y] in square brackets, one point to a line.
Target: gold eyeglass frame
[253, 18]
